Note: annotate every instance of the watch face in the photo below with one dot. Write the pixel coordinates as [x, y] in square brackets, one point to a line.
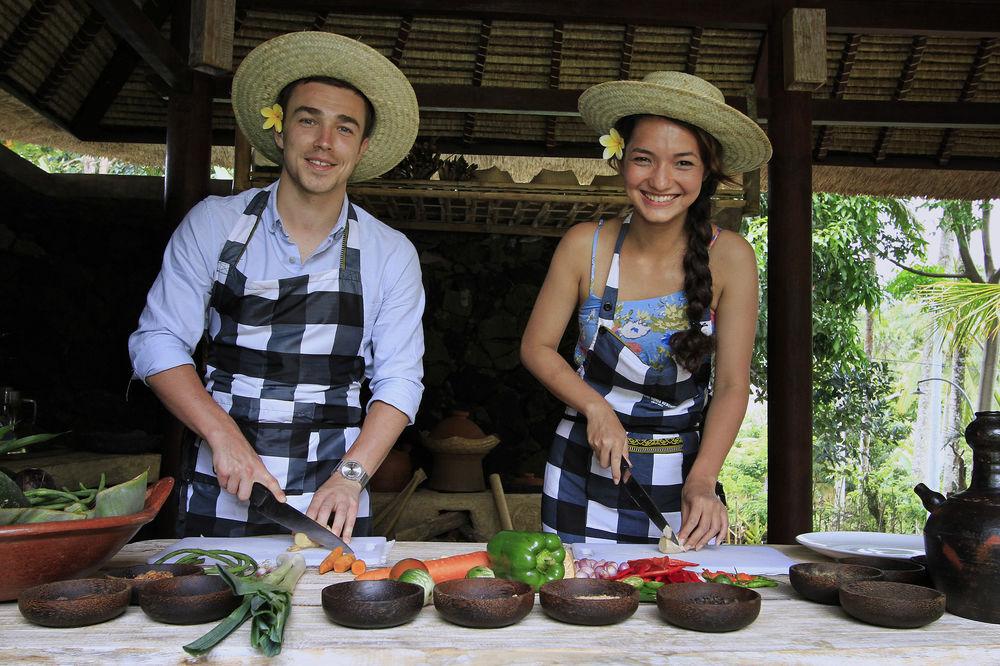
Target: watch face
[352, 470]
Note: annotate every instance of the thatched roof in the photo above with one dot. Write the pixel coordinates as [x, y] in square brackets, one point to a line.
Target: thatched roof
[498, 82]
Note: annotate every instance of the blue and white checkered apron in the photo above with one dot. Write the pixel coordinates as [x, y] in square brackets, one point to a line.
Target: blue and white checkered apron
[284, 360]
[661, 411]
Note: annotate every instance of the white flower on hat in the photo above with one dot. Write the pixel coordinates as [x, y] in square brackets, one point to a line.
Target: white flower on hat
[613, 144]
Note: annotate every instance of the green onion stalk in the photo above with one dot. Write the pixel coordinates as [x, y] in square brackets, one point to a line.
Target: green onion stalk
[267, 600]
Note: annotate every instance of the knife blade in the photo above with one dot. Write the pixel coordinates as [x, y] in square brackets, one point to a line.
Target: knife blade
[645, 502]
[288, 516]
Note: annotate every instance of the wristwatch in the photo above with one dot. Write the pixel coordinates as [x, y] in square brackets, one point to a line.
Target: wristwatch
[352, 469]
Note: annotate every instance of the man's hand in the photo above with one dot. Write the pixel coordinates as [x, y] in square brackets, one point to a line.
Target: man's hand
[338, 497]
[237, 466]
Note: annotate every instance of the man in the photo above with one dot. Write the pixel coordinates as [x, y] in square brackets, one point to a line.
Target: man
[301, 295]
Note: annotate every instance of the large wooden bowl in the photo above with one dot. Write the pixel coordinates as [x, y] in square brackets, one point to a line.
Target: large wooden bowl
[44, 552]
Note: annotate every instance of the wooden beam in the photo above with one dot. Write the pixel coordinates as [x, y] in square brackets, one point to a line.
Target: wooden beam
[917, 47]
[844, 68]
[70, 56]
[857, 113]
[402, 36]
[213, 24]
[694, 50]
[485, 30]
[759, 77]
[628, 46]
[983, 54]
[113, 77]
[131, 24]
[555, 68]
[932, 18]
[789, 301]
[861, 160]
[804, 32]
[24, 32]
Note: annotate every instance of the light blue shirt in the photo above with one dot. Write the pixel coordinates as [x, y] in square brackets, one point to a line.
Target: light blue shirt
[176, 309]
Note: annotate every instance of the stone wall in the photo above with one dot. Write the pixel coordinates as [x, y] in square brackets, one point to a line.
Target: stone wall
[75, 275]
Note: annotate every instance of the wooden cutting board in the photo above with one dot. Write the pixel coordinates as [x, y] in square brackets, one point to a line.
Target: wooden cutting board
[373, 550]
[756, 560]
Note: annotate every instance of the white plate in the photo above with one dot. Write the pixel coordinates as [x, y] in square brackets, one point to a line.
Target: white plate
[841, 544]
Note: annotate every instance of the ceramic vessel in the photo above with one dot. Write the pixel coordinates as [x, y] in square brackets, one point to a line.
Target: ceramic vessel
[458, 446]
[962, 534]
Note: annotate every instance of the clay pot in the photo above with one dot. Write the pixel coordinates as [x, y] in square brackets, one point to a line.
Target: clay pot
[457, 424]
[458, 446]
[393, 474]
[962, 534]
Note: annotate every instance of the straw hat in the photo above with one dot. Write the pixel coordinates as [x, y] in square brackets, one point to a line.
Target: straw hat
[298, 55]
[682, 97]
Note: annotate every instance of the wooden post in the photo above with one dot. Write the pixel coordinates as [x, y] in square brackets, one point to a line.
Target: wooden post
[789, 304]
[242, 162]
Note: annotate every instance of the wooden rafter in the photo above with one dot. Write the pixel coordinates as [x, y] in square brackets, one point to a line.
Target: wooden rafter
[319, 21]
[759, 77]
[844, 68]
[555, 67]
[402, 36]
[121, 65]
[694, 50]
[628, 46]
[969, 90]
[917, 48]
[24, 31]
[70, 56]
[133, 25]
[485, 30]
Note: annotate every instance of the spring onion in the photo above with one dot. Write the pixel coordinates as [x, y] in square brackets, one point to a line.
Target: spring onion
[267, 600]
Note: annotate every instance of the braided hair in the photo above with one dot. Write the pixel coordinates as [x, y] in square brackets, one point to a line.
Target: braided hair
[691, 346]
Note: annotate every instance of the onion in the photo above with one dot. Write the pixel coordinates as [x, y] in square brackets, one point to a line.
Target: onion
[611, 568]
[580, 573]
[587, 570]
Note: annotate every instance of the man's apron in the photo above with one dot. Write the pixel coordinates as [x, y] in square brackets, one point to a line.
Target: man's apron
[661, 411]
[284, 360]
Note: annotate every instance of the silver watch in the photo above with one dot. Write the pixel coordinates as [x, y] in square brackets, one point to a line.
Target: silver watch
[352, 469]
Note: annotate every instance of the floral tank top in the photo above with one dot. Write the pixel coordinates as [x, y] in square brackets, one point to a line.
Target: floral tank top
[645, 325]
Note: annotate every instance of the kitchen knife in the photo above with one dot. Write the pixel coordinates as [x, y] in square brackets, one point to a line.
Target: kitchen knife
[288, 516]
[645, 502]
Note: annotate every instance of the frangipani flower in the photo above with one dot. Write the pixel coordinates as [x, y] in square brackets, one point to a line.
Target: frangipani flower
[274, 115]
[613, 144]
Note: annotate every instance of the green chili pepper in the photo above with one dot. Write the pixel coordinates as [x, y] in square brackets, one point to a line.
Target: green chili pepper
[534, 558]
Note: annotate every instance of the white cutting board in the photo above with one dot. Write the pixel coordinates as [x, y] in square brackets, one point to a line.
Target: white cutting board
[755, 560]
[373, 550]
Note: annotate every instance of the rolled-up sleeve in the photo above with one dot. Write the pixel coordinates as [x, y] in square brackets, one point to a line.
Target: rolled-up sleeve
[174, 317]
[398, 335]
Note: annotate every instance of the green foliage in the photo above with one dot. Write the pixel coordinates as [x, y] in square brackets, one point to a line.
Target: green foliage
[906, 283]
[53, 160]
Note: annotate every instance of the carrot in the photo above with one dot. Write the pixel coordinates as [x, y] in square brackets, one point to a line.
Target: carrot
[343, 563]
[358, 567]
[456, 566]
[327, 564]
[374, 574]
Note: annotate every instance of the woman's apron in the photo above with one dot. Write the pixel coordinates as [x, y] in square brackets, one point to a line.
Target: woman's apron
[284, 359]
[661, 411]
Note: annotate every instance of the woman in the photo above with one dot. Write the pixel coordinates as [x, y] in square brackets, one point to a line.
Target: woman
[656, 294]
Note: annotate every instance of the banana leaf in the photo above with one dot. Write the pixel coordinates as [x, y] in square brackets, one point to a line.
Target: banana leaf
[121, 500]
[9, 443]
[10, 494]
[22, 516]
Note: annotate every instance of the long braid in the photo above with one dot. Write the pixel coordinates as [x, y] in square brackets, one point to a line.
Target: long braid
[691, 346]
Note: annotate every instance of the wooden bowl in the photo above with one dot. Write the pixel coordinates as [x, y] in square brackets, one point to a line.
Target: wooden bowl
[821, 582]
[484, 603]
[136, 576]
[893, 570]
[74, 603]
[37, 553]
[591, 601]
[372, 604]
[896, 605]
[188, 599]
[708, 606]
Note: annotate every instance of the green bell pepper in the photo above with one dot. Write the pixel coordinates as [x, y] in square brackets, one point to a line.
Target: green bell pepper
[534, 558]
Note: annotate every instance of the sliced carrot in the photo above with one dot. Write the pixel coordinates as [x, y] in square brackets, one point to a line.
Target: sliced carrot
[358, 567]
[343, 563]
[456, 566]
[374, 574]
[327, 564]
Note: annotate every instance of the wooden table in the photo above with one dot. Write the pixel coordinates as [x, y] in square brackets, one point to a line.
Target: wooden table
[788, 631]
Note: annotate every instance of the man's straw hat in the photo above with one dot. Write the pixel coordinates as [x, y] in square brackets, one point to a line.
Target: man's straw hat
[682, 97]
[298, 55]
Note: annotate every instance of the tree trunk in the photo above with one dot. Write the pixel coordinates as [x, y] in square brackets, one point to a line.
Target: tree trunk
[955, 472]
[989, 373]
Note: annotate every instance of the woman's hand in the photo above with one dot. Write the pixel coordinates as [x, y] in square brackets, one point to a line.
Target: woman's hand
[703, 515]
[338, 497]
[607, 438]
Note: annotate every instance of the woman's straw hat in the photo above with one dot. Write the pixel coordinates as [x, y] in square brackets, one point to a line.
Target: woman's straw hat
[298, 55]
[682, 97]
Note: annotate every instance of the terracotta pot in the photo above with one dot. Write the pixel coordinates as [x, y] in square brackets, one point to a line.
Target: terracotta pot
[458, 446]
[962, 534]
[393, 474]
[457, 424]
